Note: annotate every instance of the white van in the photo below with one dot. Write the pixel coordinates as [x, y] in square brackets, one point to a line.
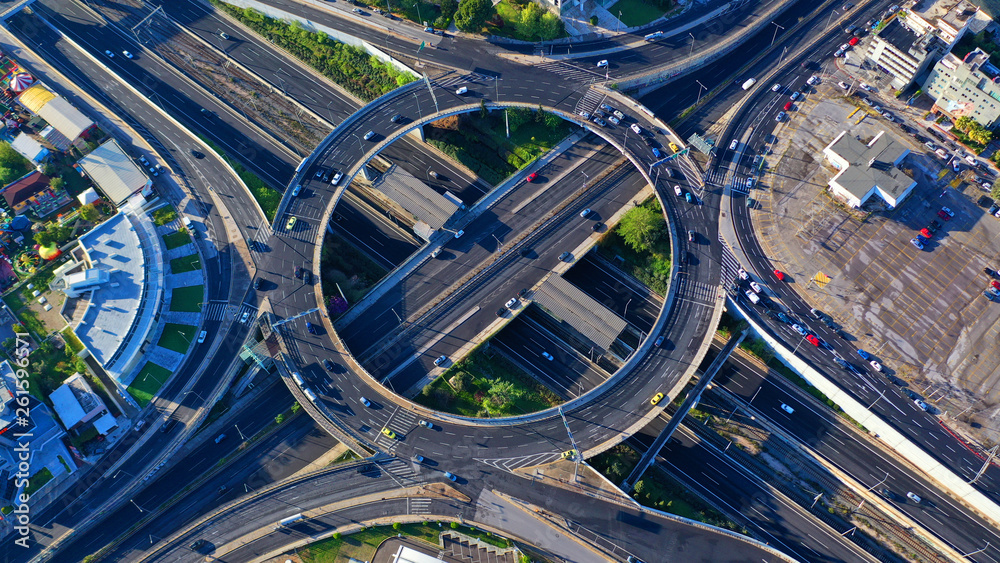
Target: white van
[462, 90]
[749, 83]
[752, 297]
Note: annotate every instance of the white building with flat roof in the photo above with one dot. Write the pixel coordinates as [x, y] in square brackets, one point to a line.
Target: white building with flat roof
[118, 269]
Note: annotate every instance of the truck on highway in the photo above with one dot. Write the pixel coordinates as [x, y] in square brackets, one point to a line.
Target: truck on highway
[750, 82]
[289, 521]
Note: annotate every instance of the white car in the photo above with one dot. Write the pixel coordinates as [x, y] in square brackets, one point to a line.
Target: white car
[865, 87]
[600, 122]
[246, 315]
[917, 243]
[677, 190]
[923, 406]
[440, 360]
[734, 144]
[635, 127]
[776, 87]
[201, 337]
[510, 304]
[458, 234]
[750, 182]
[450, 475]
[585, 115]
[843, 85]
[619, 114]
[547, 356]
[970, 159]
[795, 95]
[369, 135]
[366, 402]
[127, 54]
[462, 90]
[876, 366]
[948, 211]
[813, 80]
[743, 274]
[602, 63]
[755, 287]
[614, 120]
[336, 178]
[296, 189]
[913, 497]
[787, 408]
[427, 424]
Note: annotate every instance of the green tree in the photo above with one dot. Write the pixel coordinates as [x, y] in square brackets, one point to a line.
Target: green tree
[57, 183]
[641, 227]
[396, 525]
[448, 8]
[472, 15]
[519, 116]
[90, 213]
[482, 109]
[540, 114]
[552, 120]
[995, 191]
[296, 407]
[48, 237]
[280, 418]
[500, 395]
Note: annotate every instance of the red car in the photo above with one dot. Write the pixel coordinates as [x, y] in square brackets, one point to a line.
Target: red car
[995, 284]
[779, 274]
[812, 340]
[926, 233]
[853, 41]
[531, 177]
[944, 215]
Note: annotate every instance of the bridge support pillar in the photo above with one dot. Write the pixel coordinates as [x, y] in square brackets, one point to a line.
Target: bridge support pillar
[418, 134]
[367, 172]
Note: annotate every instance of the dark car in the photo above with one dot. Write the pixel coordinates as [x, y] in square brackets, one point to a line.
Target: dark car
[197, 154]
[197, 545]
[396, 118]
[310, 327]
[256, 284]
[307, 277]
[328, 365]
[990, 273]
[522, 293]
[891, 495]
[934, 225]
[597, 226]
[501, 311]
[298, 273]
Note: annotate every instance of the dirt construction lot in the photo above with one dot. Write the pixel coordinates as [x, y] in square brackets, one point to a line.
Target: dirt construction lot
[922, 312]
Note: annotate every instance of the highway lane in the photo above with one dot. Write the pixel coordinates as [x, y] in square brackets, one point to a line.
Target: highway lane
[519, 211]
[569, 373]
[621, 528]
[556, 94]
[454, 323]
[616, 290]
[269, 460]
[777, 520]
[822, 431]
[868, 387]
[180, 396]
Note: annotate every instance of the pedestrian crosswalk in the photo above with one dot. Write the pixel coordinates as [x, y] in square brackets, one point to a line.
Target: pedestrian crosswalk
[730, 265]
[219, 310]
[420, 505]
[717, 176]
[589, 102]
[302, 229]
[572, 72]
[400, 423]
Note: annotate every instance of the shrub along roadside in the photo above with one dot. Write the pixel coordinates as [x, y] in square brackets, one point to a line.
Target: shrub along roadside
[351, 67]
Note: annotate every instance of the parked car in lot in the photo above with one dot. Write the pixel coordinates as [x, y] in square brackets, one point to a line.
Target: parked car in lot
[915, 242]
[923, 406]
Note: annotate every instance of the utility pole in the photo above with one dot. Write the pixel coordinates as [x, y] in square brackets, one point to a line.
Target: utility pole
[776, 28]
[986, 464]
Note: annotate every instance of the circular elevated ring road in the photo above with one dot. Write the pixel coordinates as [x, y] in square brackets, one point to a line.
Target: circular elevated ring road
[608, 412]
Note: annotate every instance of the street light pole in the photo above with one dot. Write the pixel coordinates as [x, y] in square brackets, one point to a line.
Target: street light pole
[626, 307]
[776, 28]
[691, 52]
[701, 87]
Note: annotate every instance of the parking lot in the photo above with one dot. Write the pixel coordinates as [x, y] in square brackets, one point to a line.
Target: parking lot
[923, 311]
